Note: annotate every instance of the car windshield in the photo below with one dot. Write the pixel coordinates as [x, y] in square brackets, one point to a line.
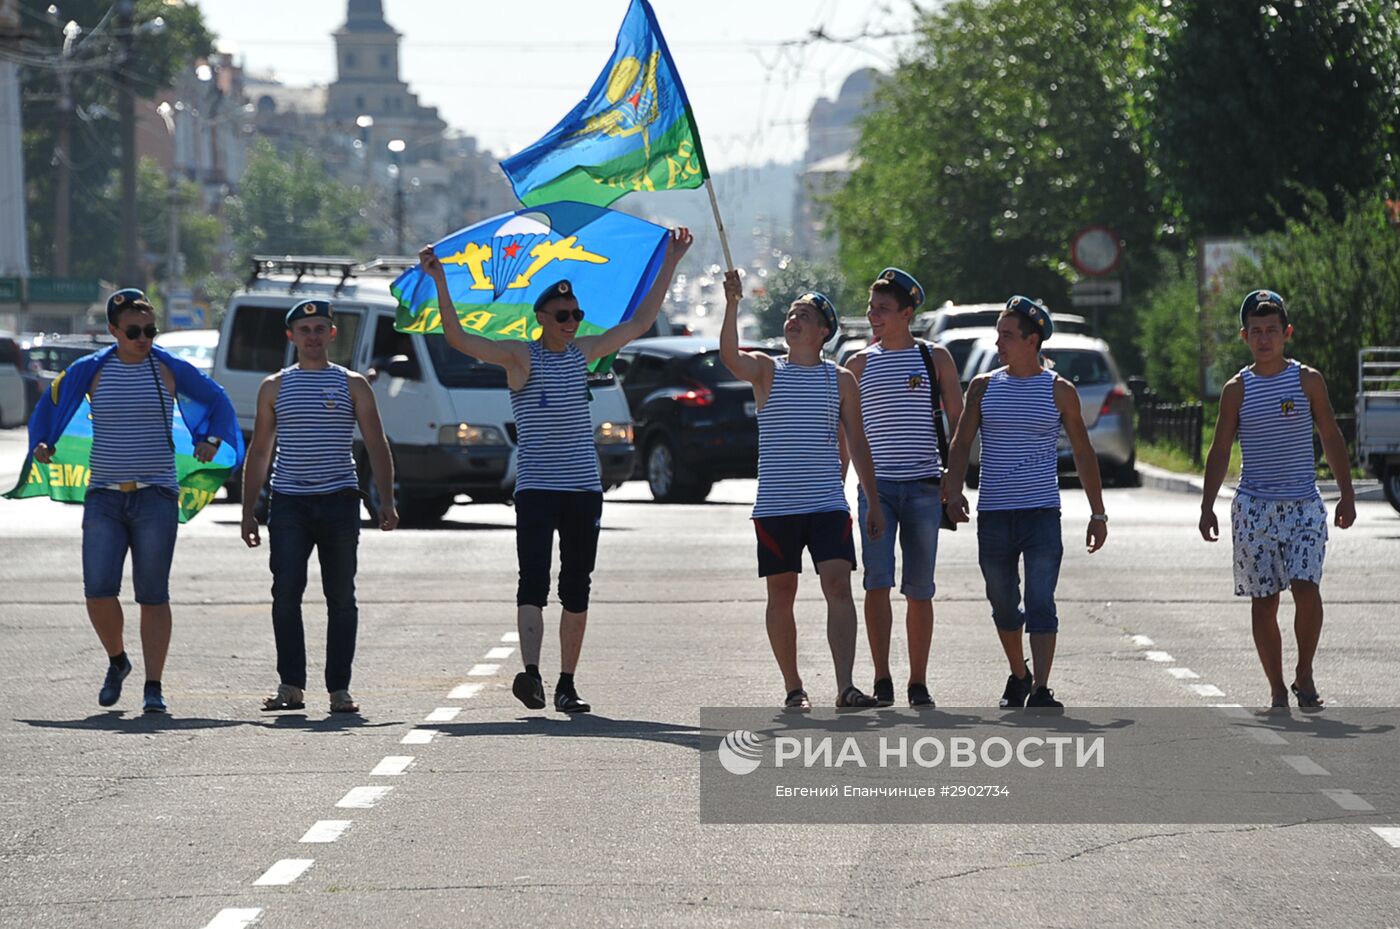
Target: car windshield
[56, 357]
[1080, 367]
[457, 370]
[193, 353]
[959, 349]
[968, 318]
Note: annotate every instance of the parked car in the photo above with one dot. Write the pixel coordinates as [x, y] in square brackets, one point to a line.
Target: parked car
[1378, 417]
[930, 324]
[45, 357]
[197, 346]
[14, 398]
[696, 423]
[960, 343]
[1108, 408]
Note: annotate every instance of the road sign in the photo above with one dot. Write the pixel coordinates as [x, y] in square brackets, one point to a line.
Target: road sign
[1096, 293]
[1094, 250]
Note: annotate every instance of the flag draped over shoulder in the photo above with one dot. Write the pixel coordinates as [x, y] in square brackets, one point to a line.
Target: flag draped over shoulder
[62, 419]
[496, 268]
[634, 131]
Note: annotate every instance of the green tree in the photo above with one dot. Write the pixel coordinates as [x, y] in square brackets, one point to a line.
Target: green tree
[1168, 335]
[95, 149]
[198, 232]
[789, 282]
[1254, 104]
[287, 203]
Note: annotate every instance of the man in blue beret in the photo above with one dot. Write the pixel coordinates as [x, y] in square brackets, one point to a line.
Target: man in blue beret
[1020, 409]
[1278, 520]
[904, 386]
[308, 414]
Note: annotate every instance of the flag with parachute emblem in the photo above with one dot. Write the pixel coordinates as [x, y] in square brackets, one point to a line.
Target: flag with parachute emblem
[634, 131]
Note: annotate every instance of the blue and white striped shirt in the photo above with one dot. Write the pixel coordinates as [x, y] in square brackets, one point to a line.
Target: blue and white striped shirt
[315, 432]
[131, 423]
[799, 462]
[1276, 437]
[1020, 430]
[896, 407]
[556, 450]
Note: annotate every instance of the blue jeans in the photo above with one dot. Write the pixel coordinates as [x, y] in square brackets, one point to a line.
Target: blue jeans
[1004, 537]
[329, 523]
[913, 510]
[144, 521]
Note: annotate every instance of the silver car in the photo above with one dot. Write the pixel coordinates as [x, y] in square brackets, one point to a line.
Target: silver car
[1108, 408]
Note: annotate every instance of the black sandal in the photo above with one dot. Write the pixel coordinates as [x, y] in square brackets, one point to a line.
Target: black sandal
[852, 698]
[798, 700]
[1306, 699]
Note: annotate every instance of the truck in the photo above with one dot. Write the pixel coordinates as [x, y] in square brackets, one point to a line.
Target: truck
[447, 416]
[1378, 417]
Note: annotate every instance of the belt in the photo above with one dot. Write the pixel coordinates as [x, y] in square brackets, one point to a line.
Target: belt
[127, 487]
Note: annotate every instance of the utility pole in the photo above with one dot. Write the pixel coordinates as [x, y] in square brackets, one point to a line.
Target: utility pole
[126, 117]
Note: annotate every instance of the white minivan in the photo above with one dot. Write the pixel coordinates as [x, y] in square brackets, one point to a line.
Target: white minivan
[447, 416]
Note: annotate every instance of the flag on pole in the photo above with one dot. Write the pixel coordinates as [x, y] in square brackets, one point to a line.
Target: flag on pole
[634, 131]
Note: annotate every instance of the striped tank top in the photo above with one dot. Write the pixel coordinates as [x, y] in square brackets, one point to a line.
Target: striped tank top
[315, 432]
[555, 429]
[896, 407]
[1020, 430]
[799, 462]
[131, 423]
[1276, 437]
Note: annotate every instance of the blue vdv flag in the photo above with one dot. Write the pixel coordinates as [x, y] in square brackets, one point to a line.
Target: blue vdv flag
[634, 131]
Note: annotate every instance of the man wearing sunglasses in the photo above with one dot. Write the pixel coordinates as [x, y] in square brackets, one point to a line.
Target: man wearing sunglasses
[132, 499]
[557, 485]
[805, 404]
[1020, 410]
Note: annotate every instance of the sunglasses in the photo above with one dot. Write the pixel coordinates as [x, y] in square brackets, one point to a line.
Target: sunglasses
[135, 332]
[563, 316]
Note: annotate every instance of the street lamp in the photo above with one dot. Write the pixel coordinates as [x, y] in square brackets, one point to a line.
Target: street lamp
[396, 147]
[365, 123]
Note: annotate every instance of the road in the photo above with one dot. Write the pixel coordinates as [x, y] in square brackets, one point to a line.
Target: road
[500, 816]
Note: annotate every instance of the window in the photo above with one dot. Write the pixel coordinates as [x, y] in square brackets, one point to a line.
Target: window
[388, 343]
[258, 340]
[457, 370]
[384, 61]
[351, 60]
[1080, 367]
[645, 371]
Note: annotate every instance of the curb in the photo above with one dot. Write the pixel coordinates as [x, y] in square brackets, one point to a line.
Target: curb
[1188, 483]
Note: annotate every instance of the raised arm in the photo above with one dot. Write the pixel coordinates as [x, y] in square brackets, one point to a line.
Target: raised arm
[511, 354]
[381, 461]
[1226, 426]
[1334, 447]
[754, 367]
[1086, 463]
[854, 430]
[259, 457]
[604, 344]
[960, 450]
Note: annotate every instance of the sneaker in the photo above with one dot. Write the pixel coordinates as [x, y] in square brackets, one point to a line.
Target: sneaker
[884, 692]
[1017, 689]
[529, 690]
[111, 690]
[1044, 697]
[919, 695]
[154, 701]
[568, 701]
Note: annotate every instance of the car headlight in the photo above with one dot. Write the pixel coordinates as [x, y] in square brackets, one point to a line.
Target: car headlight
[466, 434]
[613, 434]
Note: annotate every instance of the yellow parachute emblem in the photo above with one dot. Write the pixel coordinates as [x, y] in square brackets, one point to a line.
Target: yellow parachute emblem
[635, 102]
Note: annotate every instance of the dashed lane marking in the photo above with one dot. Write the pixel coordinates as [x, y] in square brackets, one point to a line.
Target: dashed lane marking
[362, 798]
[1183, 674]
[418, 737]
[235, 918]
[483, 670]
[496, 654]
[465, 691]
[284, 872]
[1158, 656]
[1391, 834]
[1207, 690]
[392, 765]
[443, 714]
[326, 830]
[1347, 800]
[511, 637]
[1305, 766]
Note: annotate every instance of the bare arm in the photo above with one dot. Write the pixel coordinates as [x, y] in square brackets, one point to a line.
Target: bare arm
[1218, 460]
[599, 346]
[1086, 463]
[854, 430]
[381, 462]
[511, 354]
[754, 367]
[960, 449]
[856, 365]
[259, 457]
[1334, 447]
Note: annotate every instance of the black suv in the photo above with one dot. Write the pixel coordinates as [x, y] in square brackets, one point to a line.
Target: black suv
[695, 422]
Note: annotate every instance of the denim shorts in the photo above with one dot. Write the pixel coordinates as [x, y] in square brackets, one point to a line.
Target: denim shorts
[144, 521]
[913, 511]
[1004, 538]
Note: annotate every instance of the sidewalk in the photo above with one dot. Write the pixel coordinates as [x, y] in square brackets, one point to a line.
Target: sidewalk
[1188, 483]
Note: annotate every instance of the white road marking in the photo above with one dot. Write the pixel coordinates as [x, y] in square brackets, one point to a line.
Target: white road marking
[443, 714]
[362, 798]
[1305, 765]
[418, 737]
[1391, 834]
[1183, 674]
[1348, 800]
[1207, 690]
[1142, 641]
[483, 670]
[392, 765]
[326, 830]
[1158, 656]
[465, 691]
[284, 872]
[1265, 736]
[235, 918]
[1231, 709]
[511, 637]
[496, 654]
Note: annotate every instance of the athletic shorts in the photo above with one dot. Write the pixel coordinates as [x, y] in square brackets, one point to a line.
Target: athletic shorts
[781, 540]
[1275, 542]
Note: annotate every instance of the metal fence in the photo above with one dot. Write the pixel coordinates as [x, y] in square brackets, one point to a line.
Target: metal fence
[1176, 424]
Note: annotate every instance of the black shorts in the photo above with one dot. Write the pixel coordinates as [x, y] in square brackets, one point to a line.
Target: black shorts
[781, 540]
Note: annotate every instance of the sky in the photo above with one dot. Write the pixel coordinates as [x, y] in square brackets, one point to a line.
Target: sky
[505, 71]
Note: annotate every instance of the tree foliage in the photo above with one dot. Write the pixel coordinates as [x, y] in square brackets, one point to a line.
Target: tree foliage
[789, 282]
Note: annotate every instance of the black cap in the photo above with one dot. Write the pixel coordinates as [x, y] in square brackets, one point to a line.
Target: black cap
[557, 289]
[1257, 298]
[123, 300]
[310, 309]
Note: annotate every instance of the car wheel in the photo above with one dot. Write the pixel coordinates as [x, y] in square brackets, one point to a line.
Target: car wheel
[667, 482]
[1391, 484]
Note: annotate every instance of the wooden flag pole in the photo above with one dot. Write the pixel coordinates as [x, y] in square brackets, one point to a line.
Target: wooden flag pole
[719, 224]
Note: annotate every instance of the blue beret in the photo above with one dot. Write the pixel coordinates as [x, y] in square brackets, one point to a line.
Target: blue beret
[557, 289]
[310, 309]
[122, 300]
[824, 306]
[905, 282]
[1036, 311]
[1256, 298]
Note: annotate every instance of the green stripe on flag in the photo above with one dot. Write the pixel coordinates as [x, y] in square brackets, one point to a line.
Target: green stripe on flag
[675, 164]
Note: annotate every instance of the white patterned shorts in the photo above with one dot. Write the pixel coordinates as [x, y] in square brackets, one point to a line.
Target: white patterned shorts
[1277, 541]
